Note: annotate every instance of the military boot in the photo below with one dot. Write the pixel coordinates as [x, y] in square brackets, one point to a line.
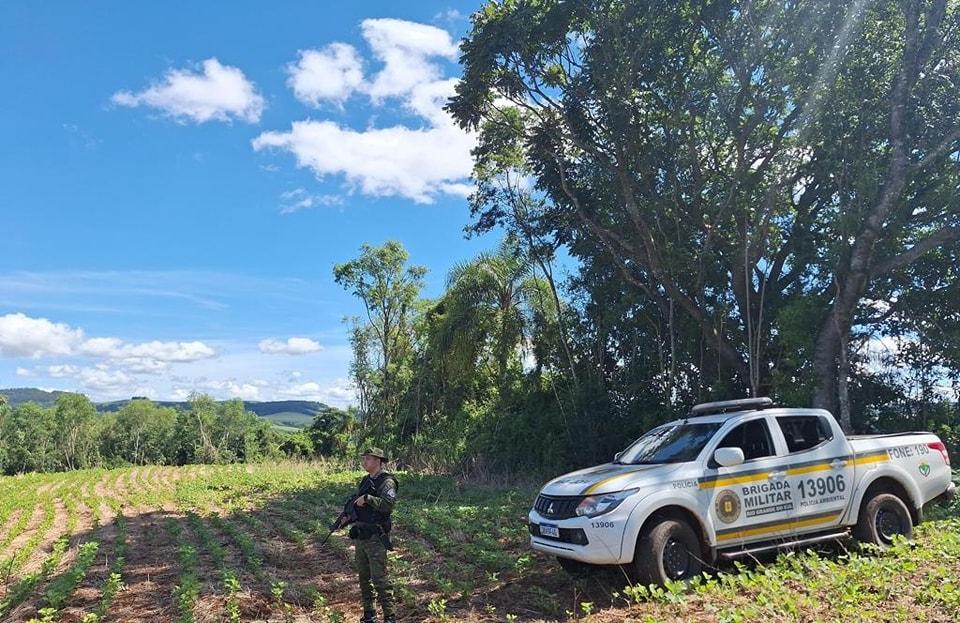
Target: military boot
[368, 617]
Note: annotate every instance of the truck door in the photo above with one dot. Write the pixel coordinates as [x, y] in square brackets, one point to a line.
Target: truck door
[747, 502]
[819, 471]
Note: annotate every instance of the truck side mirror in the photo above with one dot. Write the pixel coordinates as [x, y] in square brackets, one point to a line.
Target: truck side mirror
[728, 457]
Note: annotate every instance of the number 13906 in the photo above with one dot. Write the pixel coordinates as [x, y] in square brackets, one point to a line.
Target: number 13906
[819, 487]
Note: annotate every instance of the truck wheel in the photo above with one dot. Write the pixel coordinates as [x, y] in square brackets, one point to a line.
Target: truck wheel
[575, 568]
[668, 550]
[883, 517]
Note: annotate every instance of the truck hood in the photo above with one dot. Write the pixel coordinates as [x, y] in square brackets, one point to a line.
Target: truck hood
[607, 478]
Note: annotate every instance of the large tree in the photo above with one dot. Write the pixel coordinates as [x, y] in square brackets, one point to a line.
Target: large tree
[388, 289]
[27, 432]
[495, 297]
[764, 169]
[140, 433]
[74, 426]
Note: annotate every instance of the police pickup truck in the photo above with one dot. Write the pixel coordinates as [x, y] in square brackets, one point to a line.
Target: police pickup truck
[733, 479]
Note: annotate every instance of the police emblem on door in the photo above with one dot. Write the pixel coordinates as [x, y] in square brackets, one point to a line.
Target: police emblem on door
[728, 506]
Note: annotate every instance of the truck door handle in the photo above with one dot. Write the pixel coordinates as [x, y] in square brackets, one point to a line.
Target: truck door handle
[838, 464]
[776, 475]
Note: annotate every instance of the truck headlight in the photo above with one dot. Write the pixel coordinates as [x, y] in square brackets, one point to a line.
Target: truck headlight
[594, 505]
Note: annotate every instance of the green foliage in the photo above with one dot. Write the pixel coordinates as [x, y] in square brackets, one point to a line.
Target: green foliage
[686, 157]
[74, 420]
[458, 542]
[187, 590]
[438, 608]
[61, 589]
[139, 433]
[745, 186]
[298, 445]
[330, 431]
[388, 288]
[72, 435]
[28, 437]
[23, 587]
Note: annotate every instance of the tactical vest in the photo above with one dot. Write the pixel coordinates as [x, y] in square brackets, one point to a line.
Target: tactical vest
[367, 514]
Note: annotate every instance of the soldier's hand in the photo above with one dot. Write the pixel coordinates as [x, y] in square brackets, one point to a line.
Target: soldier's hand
[361, 500]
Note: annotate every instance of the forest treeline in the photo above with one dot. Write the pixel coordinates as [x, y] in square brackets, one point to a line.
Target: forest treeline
[72, 434]
[700, 200]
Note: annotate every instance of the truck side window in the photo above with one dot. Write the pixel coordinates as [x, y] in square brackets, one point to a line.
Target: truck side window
[752, 437]
[803, 432]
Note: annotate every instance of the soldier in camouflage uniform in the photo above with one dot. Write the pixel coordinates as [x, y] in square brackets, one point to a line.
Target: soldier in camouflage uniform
[371, 534]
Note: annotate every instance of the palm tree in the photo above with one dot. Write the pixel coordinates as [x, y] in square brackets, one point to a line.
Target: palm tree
[495, 295]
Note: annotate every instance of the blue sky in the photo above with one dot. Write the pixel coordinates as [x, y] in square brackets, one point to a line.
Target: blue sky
[178, 180]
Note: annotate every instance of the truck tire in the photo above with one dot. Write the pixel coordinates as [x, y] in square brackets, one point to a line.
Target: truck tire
[882, 517]
[668, 550]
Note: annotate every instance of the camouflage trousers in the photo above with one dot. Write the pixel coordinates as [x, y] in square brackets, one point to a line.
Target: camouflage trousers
[371, 557]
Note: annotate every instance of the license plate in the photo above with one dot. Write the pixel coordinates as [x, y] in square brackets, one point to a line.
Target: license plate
[549, 530]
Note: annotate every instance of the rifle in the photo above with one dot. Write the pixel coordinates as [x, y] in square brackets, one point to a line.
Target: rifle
[349, 513]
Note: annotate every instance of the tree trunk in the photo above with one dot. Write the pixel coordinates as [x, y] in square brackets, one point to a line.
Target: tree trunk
[843, 393]
[824, 366]
[853, 279]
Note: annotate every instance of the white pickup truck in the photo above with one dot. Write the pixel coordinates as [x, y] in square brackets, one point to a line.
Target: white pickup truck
[737, 478]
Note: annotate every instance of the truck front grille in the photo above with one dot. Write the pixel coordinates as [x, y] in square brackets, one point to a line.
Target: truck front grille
[557, 507]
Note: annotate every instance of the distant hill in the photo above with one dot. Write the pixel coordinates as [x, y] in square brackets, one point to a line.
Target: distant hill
[282, 413]
[19, 395]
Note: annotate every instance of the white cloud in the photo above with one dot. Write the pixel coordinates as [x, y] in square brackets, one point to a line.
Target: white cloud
[101, 346]
[217, 93]
[299, 199]
[303, 389]
[405, 49]
[100, 378]
[449, 16]
[181, 394]
[418, 163]
[340, 392]
[229, 388]
[23, 336]
[464, 190]
[143, 365]
[292, 346]
[332, 73]
[428, 99]
[24, 372]
[243, 391]
[147, 358]
[157, 351]
[62, 371]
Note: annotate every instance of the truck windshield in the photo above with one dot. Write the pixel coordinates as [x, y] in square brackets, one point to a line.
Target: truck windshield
[672, 443]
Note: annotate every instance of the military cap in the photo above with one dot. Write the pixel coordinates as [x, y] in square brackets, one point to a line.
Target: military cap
[377, 452]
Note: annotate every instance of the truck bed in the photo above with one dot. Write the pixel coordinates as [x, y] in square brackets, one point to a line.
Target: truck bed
[887, 435]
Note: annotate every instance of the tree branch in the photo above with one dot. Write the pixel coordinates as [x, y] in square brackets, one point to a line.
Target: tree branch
[934, 240]
[947, 146]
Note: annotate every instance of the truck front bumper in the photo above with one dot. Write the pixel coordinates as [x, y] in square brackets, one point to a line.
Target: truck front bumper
[580, 538]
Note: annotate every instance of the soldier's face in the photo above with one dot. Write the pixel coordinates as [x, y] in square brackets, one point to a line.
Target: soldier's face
[371, 464]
